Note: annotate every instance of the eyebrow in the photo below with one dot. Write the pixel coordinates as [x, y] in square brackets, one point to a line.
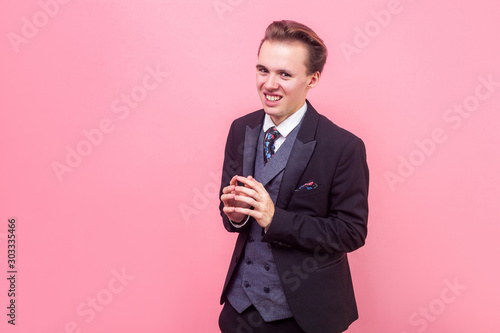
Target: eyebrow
[279, 70]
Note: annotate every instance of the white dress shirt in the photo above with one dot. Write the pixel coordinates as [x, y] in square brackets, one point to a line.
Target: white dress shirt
[285, 128]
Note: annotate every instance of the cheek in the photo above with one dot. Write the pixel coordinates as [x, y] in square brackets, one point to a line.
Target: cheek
[295, 88]
[289, 88]
[259, 81]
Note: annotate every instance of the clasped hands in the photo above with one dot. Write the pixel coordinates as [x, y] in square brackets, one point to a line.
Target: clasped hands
[251, 199]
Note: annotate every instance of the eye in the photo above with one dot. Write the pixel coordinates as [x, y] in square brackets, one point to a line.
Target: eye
[262, 70]
[285, 74]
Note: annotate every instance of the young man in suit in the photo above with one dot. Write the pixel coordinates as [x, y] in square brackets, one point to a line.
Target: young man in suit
[295, 188]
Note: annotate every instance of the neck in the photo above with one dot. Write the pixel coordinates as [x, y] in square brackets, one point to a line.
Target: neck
[279, 120]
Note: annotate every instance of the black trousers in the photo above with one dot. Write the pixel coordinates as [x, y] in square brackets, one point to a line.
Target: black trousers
[250, 321]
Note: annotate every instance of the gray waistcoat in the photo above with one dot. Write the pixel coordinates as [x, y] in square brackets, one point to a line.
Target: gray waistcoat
[256, 279]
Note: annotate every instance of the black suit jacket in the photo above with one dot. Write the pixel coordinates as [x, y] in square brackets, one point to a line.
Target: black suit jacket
[312, 230]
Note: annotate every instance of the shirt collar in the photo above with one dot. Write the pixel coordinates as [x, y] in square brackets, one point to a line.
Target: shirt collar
[286, 125]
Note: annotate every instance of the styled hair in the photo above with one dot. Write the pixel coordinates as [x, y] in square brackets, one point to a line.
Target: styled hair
[287, 31]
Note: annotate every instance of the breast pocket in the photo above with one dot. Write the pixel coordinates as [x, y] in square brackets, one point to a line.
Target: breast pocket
[312, 202]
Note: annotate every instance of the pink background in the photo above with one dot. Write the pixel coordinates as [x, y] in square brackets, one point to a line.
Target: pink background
[143, 201]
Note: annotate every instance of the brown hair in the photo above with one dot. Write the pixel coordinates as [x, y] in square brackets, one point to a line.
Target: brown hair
[287, 31]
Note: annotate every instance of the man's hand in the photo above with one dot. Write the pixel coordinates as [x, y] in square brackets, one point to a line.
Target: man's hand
[230, 204]
[253, 194]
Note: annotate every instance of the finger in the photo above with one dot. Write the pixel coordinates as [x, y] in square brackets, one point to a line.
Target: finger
[250, 201]
[233, 216]
[247, 211]
[251, 178]
[228, 210]
[247, 181]
[252, 183]
[226, 198]
[240, 190]
[234, 180]
[228, 189]
[229, 201]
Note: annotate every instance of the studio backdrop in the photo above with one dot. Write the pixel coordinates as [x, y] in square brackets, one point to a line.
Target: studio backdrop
[114, 115]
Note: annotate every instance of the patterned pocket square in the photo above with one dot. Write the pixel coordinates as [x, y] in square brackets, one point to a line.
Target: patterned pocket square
[308, 186]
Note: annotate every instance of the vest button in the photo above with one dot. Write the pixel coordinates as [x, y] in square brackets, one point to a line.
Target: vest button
[250, 239]
[249, 261]
[246, 284]
[266, 290]
[266, 267]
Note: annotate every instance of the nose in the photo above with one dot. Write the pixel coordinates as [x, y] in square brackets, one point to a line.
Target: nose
[271, 82]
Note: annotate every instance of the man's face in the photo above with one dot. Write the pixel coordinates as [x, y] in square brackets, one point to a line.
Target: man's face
[282, 79]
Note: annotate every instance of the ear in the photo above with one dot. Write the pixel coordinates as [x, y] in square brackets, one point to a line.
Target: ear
[314, 80]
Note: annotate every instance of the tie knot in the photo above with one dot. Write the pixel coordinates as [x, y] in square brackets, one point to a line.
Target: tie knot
[272, 134]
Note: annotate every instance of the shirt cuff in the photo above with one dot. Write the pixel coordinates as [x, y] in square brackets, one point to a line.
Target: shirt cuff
[240, 224]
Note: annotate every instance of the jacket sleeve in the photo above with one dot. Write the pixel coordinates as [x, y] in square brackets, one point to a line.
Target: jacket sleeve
[345, 227]
[233, 159]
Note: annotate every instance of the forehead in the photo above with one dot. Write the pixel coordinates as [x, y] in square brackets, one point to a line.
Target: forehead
[283, 55]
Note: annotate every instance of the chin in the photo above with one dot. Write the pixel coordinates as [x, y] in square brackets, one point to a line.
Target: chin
[271, 111]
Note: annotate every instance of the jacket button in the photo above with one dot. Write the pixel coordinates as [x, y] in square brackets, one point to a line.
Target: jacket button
[266, 290]
[249, 262]
[266, 267]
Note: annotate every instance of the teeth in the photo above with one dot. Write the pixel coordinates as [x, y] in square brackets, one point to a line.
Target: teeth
[273, 98]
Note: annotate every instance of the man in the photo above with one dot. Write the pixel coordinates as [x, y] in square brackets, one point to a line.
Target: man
[295, 188]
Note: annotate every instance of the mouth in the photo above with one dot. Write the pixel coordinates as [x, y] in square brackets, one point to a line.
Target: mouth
[272, 98]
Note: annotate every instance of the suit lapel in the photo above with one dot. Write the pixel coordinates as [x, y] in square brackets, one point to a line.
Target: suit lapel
[299, 158]
[251, 139]
[276, 164]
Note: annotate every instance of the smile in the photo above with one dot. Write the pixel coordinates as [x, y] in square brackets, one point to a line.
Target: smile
[273, 98]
